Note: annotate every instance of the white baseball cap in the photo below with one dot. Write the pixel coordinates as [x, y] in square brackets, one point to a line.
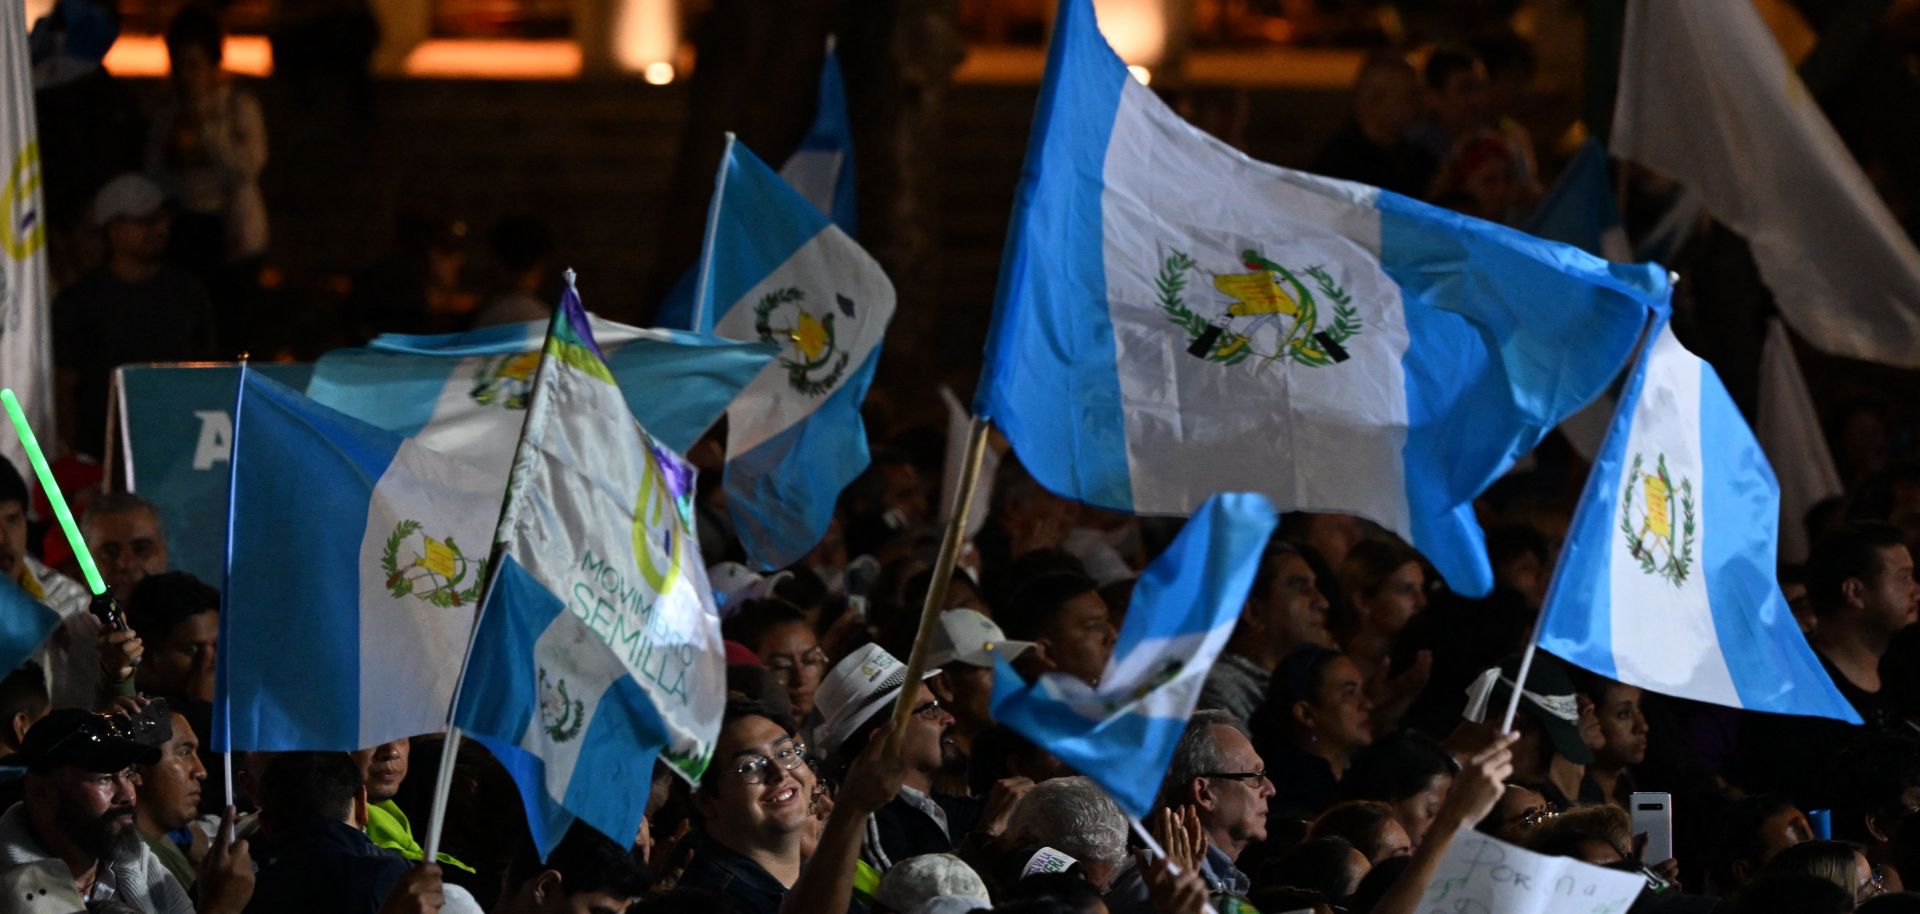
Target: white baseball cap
[917, 880]
[966, 636]
[856, 689]
[130, 196]
[734, 584]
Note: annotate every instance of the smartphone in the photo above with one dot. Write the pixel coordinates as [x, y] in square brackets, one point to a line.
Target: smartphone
[1653, 817]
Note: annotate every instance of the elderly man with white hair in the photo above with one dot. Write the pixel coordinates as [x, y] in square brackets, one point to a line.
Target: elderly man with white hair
[1074, 817]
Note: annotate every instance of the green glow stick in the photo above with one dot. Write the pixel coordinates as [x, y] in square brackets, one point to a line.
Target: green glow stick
[52, 488]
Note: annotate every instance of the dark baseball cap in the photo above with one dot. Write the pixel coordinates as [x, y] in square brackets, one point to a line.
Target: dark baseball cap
[1548, 698]
[96, 742]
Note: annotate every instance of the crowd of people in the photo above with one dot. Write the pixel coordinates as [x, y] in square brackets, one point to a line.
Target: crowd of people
[1347, 734]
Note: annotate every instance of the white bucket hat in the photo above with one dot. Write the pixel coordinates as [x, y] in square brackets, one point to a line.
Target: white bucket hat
[857, 687]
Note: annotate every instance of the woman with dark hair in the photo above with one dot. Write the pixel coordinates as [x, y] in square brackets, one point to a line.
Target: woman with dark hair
[778, 633]
[1409, 772]
[1623, 728]
[1368, 825]
[1317, 715]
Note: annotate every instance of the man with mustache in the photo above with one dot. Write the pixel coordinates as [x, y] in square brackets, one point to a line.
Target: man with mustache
[80, 810]
[169, 798]
[855, 706]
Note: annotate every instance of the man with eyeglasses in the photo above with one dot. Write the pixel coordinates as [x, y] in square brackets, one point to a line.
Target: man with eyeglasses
[79, 809]
[1216, 771]
[754, 803]
[855, 706]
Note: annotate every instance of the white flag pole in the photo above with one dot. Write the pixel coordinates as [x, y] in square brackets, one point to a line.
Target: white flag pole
[703, 284]
[449, 751]
[1154, 848]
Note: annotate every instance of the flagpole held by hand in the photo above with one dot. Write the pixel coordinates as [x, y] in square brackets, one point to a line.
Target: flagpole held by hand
[942, 573]
[1154, 848]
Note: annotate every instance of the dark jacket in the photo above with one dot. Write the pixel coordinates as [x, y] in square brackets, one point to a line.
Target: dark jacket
[325, 868]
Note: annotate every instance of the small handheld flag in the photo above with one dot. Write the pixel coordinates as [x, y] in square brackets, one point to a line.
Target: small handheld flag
[1667, 578]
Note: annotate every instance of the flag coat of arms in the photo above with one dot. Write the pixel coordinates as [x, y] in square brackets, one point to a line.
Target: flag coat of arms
[356, 562]
[1667, 580]
[778, 271]
[26, 335]
[1122, 732]
[599, 645]
[467, 393]
[1176, 319]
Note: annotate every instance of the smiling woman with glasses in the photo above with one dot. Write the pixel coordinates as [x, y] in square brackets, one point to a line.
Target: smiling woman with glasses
[778, 633]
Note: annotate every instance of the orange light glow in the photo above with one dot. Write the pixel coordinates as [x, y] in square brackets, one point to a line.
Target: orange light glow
[135, 56]
[469, 58]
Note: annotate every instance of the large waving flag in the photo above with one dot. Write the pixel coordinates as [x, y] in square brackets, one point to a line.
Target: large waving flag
[1122, 732]
[1706, 98]
[26, 330]
[25, 624]
[777, 270]
[356, 561]
[599, 646]
[1667, 578]
[1176, 319]
[821, 170]
[466, 393]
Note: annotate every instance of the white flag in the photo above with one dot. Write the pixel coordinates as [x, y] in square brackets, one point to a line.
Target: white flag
[26, 342]
[1789, 431]
[1706, 98]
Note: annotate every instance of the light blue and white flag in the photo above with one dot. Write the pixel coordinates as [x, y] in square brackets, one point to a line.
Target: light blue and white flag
[599, 645]
[1580, 209]
[25, 624]
[1175, 319]
[776, 270]
[1121, 733]
[466, 393]
[821, 170]
[356, 562]
[1667, 578]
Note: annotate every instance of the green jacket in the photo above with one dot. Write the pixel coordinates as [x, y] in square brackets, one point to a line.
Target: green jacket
[389, 828]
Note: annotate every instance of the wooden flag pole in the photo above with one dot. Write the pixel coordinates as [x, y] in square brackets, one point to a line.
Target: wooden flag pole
[942, 575]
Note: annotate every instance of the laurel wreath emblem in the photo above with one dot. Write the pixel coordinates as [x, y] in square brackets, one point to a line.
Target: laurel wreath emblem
[445, 591]
[800, 371]
[564, 715]
[1679, 561]
[1305, 342]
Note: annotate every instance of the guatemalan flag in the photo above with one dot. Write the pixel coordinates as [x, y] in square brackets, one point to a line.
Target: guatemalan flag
[466, 393]
[1122, 732]
[1176, 319]
[599, 645]
[356, 561]
[778, 271]
[821, 170]
[1667, 578]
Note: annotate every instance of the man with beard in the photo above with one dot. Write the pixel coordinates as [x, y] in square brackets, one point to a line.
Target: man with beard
[79, 809]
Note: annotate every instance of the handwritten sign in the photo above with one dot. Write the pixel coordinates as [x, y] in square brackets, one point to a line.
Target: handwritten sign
[1482, 875]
